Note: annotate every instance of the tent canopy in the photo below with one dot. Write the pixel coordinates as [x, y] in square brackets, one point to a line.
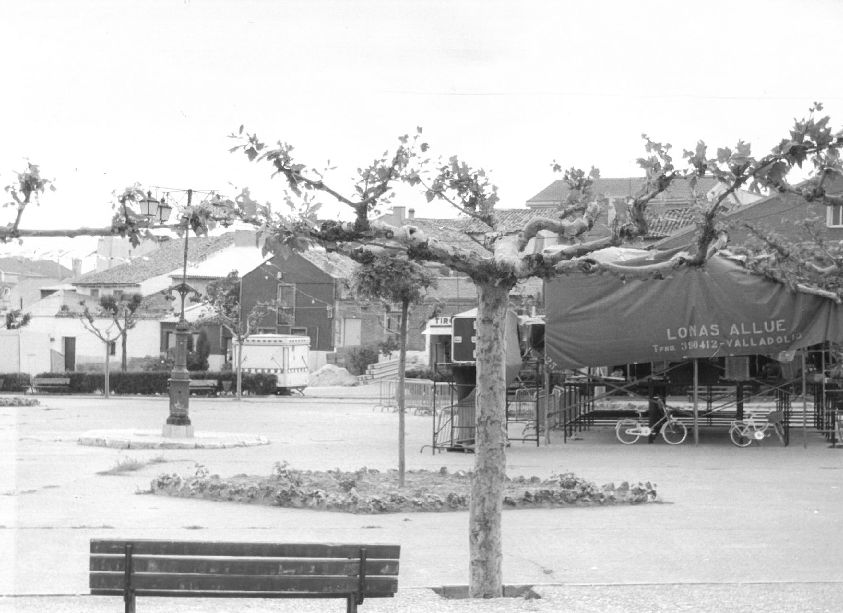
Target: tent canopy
[720, 309]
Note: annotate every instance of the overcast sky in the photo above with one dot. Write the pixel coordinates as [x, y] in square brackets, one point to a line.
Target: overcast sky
[105, 94]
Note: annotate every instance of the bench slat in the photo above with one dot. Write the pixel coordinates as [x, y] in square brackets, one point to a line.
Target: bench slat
[256, 594]
[239, 566]
[329, 584]
[222, 548]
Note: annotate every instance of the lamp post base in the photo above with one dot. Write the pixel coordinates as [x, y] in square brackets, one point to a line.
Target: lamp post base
[172, 431]
[178, 422]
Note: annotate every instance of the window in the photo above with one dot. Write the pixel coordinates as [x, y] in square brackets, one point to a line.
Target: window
[95, 293]
[117, 293]
[286, 303]
[834, 216]
[299, 331]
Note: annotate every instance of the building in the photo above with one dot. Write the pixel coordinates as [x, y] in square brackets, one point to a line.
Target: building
[782, 214]
[22, 280]
[675, 208]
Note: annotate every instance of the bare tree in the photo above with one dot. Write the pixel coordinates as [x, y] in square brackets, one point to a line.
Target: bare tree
[123, 312]
[108, 334]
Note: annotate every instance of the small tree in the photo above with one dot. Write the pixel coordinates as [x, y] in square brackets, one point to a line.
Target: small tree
[395, 280]
[107, 335]
[17, 319]
[124, 315]
[222, 296]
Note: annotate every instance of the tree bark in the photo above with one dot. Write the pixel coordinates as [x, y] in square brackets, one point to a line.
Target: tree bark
[402, 366]
[240, 369]
[106, 382]
[484, 534]
[123, 356]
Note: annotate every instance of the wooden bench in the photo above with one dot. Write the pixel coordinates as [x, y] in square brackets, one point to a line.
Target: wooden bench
[204, 386]
[132, 568]
[51, 384]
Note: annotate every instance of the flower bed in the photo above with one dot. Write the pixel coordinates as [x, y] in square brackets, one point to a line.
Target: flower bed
[17, 401]
[373, 491]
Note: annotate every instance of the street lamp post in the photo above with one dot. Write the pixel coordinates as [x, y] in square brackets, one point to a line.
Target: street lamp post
[215, 210]
[178, 421]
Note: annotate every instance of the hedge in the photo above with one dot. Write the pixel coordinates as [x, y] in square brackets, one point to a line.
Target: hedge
[14, 382]
[156, 382]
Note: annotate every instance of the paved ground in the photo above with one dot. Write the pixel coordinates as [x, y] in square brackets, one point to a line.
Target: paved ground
[739, 529]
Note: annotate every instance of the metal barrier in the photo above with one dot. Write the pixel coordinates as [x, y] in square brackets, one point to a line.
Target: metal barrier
[421, 396]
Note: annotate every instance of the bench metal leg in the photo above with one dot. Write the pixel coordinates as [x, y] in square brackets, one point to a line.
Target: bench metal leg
[128, 590]
[351, 606]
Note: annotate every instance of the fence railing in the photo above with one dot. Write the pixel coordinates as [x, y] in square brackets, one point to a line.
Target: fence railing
[421, 396]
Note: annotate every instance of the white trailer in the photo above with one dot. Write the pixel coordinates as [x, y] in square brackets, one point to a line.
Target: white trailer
[284, 355]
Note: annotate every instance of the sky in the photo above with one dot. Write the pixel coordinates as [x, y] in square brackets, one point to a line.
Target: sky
[106, 94]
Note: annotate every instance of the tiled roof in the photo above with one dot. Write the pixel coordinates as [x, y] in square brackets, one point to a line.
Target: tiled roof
[336, 265]
[449, 231]
[685, 235]
[34, 268]
[219, 264]
[167, 258]
[679, 191]
[670, 221]
[507, 220]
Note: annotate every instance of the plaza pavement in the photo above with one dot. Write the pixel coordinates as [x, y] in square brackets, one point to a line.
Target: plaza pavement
[737, 529]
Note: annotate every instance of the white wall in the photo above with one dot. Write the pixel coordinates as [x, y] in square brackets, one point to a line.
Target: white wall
[24, 350]
[142, 340]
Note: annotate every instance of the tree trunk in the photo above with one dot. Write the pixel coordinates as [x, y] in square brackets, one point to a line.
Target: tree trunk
[107, 368]
[123, 359]
[240, 369]
[484, 533]
[402, 366]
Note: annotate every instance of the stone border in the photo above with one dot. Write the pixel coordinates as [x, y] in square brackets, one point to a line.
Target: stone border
[460, 592]
[153, 439]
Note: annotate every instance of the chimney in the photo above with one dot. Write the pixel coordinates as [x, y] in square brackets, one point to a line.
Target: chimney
[398, 213]
[411, 214]
[77, 267]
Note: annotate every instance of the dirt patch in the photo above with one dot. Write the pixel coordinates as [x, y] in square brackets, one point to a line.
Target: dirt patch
[373, 491]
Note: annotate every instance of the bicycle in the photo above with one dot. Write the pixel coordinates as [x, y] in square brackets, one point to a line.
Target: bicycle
[742, 433]
[673, 431]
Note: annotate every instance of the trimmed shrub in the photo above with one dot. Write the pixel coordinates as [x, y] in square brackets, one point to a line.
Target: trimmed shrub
[14, 382]
[358, 359]
[154, 382]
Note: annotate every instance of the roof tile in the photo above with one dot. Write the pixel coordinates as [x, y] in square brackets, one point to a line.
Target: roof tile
[679, 191]
[167, 258]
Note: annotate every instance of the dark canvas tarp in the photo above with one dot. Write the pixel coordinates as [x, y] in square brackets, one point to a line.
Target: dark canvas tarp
[718, 310]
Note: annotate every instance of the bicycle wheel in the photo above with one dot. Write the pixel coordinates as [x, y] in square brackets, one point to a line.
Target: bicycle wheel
[627, 431]
[738, 434]
[674, 432]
